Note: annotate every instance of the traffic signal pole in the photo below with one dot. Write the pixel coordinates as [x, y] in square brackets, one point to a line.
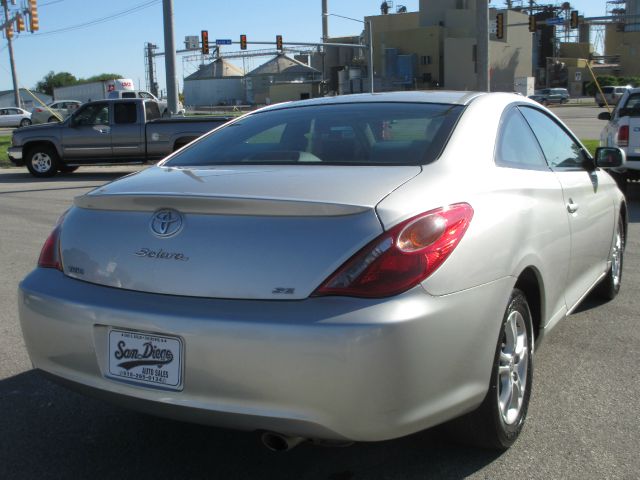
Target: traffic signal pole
[170, 56]
[14, 75]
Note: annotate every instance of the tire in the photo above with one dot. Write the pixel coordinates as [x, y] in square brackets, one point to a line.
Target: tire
[25, 122]
[497, 423]
[609, 287]
[67, 168]
[53, 119]
[42, 161]
[601, 105]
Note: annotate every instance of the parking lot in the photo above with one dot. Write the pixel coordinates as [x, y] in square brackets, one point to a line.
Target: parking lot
[583, 420]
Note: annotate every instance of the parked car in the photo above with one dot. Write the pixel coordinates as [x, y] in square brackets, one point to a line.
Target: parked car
[623, 131]
[548, 96]
[352, 268]
[55, 111]
[14, 117]
[103, 133]
[612, 95]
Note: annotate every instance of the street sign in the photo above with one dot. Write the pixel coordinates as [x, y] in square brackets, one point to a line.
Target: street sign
[223, 41]
[555, 21]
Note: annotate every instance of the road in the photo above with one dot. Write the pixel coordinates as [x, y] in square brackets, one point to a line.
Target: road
[583, 120]
[583, 421]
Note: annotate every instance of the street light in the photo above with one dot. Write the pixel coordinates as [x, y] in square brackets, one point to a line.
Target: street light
[369, 24]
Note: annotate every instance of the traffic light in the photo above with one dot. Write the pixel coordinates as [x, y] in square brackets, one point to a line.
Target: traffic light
[532, 23]
[34, 22]
[243, 42]
[9, 31]
[574, 19]
[500, 25]
[204, 38]
[279, 42]
[19, 23]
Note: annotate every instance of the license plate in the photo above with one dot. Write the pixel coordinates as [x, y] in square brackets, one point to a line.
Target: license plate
[145, 358]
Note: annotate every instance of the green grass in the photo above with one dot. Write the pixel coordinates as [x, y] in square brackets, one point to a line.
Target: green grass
[591, 145]
[5, 142]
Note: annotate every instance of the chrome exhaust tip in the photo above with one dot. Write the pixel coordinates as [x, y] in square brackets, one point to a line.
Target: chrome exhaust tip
[277, 442]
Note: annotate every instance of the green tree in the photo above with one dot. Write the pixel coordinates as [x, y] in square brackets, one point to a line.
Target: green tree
[52, 80]
[101, 77]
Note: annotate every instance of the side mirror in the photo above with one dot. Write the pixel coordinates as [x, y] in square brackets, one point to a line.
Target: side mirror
[604, 116]
[610, 157]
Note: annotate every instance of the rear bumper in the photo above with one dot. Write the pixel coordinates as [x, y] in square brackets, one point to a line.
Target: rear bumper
[15, 155]
[333, 368]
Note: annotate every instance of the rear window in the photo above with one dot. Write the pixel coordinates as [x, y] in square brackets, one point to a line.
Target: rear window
[607, 89]
[341, 134]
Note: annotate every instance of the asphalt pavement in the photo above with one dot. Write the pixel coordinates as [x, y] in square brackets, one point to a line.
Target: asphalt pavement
[583, 420]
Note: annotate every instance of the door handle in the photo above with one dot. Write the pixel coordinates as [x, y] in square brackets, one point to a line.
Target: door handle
[572, 207]
[104, 130]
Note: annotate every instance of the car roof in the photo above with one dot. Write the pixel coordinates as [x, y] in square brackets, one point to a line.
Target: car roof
[435, 96]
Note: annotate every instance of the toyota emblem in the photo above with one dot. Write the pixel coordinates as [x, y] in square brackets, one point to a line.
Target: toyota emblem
[166, 222]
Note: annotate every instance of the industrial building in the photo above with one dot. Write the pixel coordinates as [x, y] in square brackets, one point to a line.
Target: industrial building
[282, 78]
[7, 99]
[216, 83]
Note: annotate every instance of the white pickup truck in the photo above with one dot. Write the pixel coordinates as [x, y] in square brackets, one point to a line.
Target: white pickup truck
[623, 130]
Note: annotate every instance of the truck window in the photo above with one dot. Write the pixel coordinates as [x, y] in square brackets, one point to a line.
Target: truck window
[128, 94]
[94, 114]
[124, 112]
[151, 110]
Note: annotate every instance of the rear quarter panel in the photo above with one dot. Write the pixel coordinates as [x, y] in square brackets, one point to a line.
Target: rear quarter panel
[519, 218]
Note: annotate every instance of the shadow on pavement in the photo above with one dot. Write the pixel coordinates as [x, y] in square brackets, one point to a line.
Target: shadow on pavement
[20, 176]
[50, 432]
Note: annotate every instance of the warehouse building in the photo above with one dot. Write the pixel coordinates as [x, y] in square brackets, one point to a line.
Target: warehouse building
[216, 83]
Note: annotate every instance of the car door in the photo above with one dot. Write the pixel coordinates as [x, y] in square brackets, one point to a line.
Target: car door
[13, 117]
[4, 117]
[127, 139]
[87, 137]
[588, 206]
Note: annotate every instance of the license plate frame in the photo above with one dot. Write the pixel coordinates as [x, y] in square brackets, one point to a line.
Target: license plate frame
[145, 359]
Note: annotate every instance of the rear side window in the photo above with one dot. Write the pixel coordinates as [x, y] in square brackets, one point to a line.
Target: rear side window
[339, 134]
[124, 112]
[128, 94]
[560, 149]
[517, 147]
[151, 110]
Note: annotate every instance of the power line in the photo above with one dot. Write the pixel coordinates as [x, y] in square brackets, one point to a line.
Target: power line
[97, 20]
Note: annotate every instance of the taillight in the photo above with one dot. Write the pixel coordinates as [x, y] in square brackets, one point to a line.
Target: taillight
[402, 257]
[50, 253]
[623, 136]
[39, 110]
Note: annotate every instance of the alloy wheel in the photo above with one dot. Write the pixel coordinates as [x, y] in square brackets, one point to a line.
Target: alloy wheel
[513, 368]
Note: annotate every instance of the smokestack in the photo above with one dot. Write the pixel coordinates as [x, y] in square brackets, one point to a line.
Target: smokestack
[325, 21]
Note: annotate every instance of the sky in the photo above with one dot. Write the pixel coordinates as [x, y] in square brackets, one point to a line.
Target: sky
[113, 42]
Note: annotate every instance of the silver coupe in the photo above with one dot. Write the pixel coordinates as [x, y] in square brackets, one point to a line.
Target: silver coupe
[355, 268]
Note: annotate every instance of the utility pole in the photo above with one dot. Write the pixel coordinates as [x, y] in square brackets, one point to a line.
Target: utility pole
[14, 75]
[482, 42]
[170, 56]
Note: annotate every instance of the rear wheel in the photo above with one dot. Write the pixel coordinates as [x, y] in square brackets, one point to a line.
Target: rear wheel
[42, 161]
[610, 285]
[52, 119]
[497, 423]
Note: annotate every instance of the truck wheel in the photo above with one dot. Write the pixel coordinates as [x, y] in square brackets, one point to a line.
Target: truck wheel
[42, 161]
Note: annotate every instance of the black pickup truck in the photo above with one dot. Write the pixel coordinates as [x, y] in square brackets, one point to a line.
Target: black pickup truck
[105, 132]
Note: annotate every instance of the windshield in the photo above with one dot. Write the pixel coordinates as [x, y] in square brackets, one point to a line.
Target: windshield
[354, 133]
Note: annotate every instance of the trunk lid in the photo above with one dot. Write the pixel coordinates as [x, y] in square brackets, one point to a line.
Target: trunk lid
[244, 232]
